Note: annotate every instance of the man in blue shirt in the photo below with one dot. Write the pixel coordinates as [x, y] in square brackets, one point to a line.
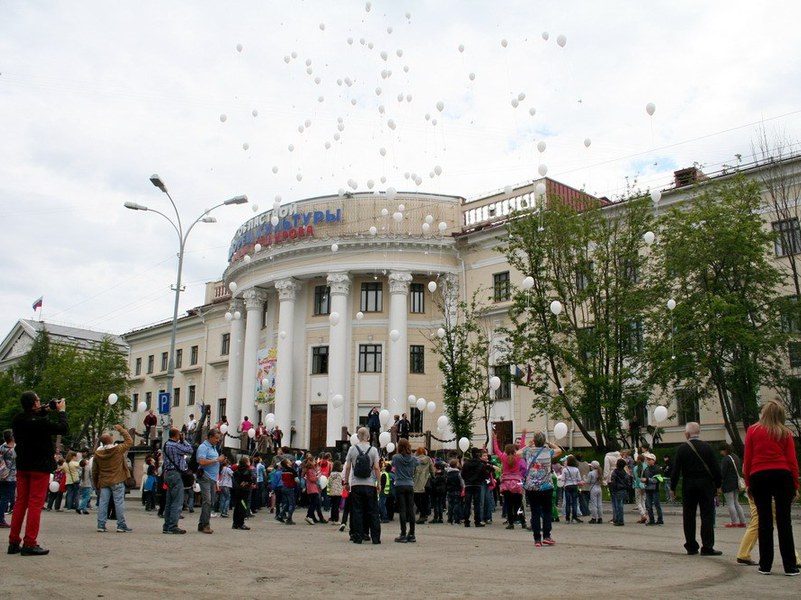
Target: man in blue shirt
[209, 460]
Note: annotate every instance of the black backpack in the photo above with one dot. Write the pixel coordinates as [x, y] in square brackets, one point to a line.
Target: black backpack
[363, 465]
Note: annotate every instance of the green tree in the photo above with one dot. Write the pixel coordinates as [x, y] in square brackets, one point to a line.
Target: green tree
[464, 355]
[725, 338]
[30, 368]
[591, 262]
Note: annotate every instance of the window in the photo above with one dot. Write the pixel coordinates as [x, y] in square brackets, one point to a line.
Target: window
[179, 358]
[788, 237]
[790, 318]
[372, 299]
[221, 407]
[503, 372]
[632, 342]
[164, 361]
[151, 361]
[319, 360]
[794, 350]
[630, 271]
[794, 385]
[225, 347]
[138, 368]
[500, 287]
[193, 356]
[322, 300]
[416, 420]
[585, 338]
[176, 397]
[369, 358]
[148, 400]
[417, 362]
[191, 400]
[134, 402]
[417, 298]
[584, 275]
[687, 406]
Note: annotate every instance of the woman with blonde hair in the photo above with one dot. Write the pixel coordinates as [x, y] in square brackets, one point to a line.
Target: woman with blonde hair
[770, 470]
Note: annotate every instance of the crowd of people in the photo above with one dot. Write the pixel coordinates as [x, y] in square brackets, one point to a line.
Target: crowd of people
[367, 488]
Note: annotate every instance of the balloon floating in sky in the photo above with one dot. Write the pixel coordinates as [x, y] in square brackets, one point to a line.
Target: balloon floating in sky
[656, 196]
[504, 43]
[556, 307]
[532, 111]
[245, 146]
[440, 106]
[275, 169]
[255, 113]
[561, 40]
[587, 142]
[239, 47]
[472, 76]
[461, 47]
[559, 430]
[223, 118]
[541, 146]
[660, 414]
[542, 169]
[545, 35]
[648, 237]
[650, 108]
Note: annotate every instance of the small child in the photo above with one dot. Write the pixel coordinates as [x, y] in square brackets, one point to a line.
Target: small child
[454, 487]
[439, 487]
[386, 486]
[240, 492]
[226, 482]
[311, 474]
[619, 486]
[148, 489]
[651, 478]
[594, 479]
[335, 490]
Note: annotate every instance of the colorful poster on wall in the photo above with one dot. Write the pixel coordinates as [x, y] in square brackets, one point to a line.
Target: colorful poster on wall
[265, 376]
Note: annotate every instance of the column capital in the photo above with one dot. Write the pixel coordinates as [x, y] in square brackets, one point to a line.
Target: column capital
[255, 299]
[339, 283]
[399, 282]
[236, 305]
[287, 289]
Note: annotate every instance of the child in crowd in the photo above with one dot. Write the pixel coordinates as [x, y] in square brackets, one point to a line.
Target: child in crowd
[61, 477]
[454, 488]
[277, 485]
[572, 478]
[335, 491]
[439, 486]
[149, 487]
[651, 478]
[594, 480]
[289, 481]
[240, 492]
[311, 474]
[226, 482]
[385, 488]
[86, 487]
[619, 486]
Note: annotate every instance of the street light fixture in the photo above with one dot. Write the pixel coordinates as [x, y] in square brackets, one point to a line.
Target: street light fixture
[182, 236]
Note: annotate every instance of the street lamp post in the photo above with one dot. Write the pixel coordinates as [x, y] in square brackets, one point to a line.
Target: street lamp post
[182, 236]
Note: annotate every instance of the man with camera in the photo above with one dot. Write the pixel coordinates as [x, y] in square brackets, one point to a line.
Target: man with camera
[109, 472]
[209, 460]
[33, 430]
[176, 449]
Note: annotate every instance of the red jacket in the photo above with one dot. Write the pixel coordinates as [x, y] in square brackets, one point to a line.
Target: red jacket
[762, 452]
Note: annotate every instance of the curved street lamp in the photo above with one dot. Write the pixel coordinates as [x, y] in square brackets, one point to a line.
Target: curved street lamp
[182, 236]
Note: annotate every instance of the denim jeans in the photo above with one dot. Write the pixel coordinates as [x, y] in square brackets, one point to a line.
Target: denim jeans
[208, 492]
[86, 495]
[571, 502]
[618, 497]
[287, 502]
[225, 500]
[7, 490]
[71, 502]
[651, 501]
[382, 507]
[173, 499]
[472, 496]
[117, 493]
[487, 502]
[454, 506]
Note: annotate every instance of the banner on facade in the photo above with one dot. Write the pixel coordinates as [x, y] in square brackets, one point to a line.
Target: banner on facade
[265, 376]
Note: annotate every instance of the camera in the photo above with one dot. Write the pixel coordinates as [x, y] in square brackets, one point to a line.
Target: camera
[52, 405]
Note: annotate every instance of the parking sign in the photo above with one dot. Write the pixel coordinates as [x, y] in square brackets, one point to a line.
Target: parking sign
[164, 403]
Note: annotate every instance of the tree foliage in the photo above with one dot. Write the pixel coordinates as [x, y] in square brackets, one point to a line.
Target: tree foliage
[592, 263]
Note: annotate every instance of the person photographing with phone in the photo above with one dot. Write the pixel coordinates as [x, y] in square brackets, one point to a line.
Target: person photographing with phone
[33, 431]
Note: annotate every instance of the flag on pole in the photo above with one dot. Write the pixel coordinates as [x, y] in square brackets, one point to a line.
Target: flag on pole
[38, 303]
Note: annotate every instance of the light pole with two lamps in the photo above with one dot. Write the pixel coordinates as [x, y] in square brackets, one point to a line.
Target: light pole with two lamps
[182, 236]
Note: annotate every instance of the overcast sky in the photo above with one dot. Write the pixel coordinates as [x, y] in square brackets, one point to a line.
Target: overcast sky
[95, 96]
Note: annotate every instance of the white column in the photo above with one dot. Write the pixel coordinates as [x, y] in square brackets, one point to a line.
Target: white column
[287, 289]
[254, 303]
[233, 407]
[338, 354]
[398, 359]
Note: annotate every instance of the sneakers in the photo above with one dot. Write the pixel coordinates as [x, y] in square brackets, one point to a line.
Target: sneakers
[289, 522]
[538, 544]
[411, 539]
[342, 527]
[548, 541]
[33, 551]
[214, 515]
[401, 539]
[792, 573]
[124, 529]
[747, 561]
[101, 529]
[731, 525]
[206, 529]
[761, 572]
[242, 527]
[176, 531]
[13, 548]
[479, 524]
[310, 521]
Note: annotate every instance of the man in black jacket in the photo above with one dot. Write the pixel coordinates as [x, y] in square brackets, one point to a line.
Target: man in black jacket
[33, 432]
[474, 474]
[697, 466]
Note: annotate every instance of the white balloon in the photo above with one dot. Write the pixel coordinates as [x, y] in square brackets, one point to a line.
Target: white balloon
[282, 335]
[532, 111]
[421, 403]
[399, 53]
[246, 258]
[54, 486]
[650, 108]
[432, 286]
[471, 76]
[442, 422]
[556, 307]
[274, 220]
[464, 444]
[542, 170]
[322, 26]
[291, 147]
[541, 146]
[384, 438]
[112, 399]
[561, 40]
[391, 193]
[545, 35]
[394, 335]
[559, 430]
[322, 481]
[494, 382]
[239, 47]
[382, 151]
[223, 428]
[254, 207]
[442, 226]
[401, 207]
[660, 413]
[437, 170]
[521, 96]
[441, 332]
[229, 316]
[384, 416]
[257, 248]
[333, 318]
[391, 124]
[440, 106]
[426, 227]
[232, 286]
[540, 188]
[275, 169]
[359, 316]
[515, 102]
[354, 439]
[656, 196]
[528, 283]
[429, 219]
[648, 237]
[397, 216]
[255, 112]
[196, 487]
[334, 247]
[142, 406]
[223, 118]
[504, 43]
[431, 407]
[461, 47]
[299, 176]
[390, 448]
[671, 304]
[587, 142]
[337, 401]
[251, 433]
[412, 399]
[373, 230]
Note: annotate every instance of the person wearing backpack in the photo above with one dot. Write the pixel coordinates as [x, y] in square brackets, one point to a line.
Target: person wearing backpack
[361, 478]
